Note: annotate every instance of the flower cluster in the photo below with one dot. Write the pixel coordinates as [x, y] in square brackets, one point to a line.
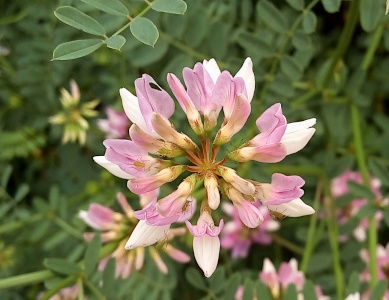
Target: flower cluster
[288, 273]
[208, 91]
[115, 227]
[339, 188]
[73, 115]
[239, 238]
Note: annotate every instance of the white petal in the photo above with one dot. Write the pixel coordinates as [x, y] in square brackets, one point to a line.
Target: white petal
[355, 296]
[145, 235]
[294, 208]
[246, 72]
[295, 141]
[360, 234]
[296, 126]
[206, 251]
[212, 69]
[111, 167]
[293, 264]
[268, 266]
[132, 109]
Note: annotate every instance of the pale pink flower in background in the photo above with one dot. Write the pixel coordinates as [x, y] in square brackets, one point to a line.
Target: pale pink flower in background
[339, 188]
[382, 267]
[208, 91]
[115, 227]
[68, 293]
[355, 296]
[239, 238]
[288, 273]
[116, 125]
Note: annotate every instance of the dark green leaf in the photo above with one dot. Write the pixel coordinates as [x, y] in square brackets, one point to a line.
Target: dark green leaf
[353, 283]
[301, 40]
[77, 19]
[113, 7]
[169, 6]
[196, 279]
[252, 44]
[76, 49]
[144, 30]
[309, 23]
[217, 280]
[109, 276]
[248, 290]
[379, 290]
[344, 200]
[263, 290]
[319, 262]
[331, 6]
[370, 14]
[115, 42]
[360, 191]
[231, 286]
[5, 176]
[271, 16]
[91, 257]
[61, 266]
[367, 211]
[22, 192]
[309, 291]
[291, 292]
[296, 4]
[290, 68]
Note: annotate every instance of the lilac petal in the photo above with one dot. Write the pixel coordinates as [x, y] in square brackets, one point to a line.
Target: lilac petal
[249, 214]
[125, 147]
[152, 98]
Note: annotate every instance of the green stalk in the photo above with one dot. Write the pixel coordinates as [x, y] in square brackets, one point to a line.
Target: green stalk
[69, 229]
[365, 175]
[60, 285]
[333, 237]
[80, 289]
[95, 290]
[286, 244]
[309, 246]
[25, 279]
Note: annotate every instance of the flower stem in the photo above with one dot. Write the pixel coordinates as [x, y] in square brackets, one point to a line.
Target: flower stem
[80, 289]
[365, 175]
[25, 279]
[60, 285]
[333, 237]
[287, 244]
[309, 246]
[95, 290]
[69, 229]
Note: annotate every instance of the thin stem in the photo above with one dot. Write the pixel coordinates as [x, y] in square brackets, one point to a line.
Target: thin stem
[344, 40]
[95, 290]
[286, 244]
[365, 175]
[131, 19]
[270, 75]
[333, 237]
[60, 285]
[193, 158]
[25, 279]
[80, 289]
[312, 229]
[375, 41]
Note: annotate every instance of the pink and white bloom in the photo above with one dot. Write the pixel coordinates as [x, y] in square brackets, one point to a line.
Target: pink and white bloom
[206, 243]
[277, 282]
[116, 125]
[208, 92]
[239, 238]
[339, 188]
[115, 227]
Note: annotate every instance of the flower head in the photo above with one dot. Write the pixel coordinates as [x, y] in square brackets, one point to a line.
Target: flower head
[115, 226]
[73, 114]
[208, 91]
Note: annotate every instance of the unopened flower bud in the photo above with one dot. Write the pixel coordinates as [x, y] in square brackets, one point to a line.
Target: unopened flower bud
[213, 195]
[238, 182]
[166, 130]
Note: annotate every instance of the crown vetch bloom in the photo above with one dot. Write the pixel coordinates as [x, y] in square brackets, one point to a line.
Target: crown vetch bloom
[116, 125]
[115, 226]
[239, 237]
[208, 91]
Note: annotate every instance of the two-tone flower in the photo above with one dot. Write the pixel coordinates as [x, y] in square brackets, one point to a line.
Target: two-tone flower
[150, 159]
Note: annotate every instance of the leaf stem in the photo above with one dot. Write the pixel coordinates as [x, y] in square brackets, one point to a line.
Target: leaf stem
[309, 246]
[69, 229]
[95, 290]
[286, 244]
[25, 279]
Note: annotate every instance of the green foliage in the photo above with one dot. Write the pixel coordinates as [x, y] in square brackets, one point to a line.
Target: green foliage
[61, 266]
[144, 30]
[76, 49]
